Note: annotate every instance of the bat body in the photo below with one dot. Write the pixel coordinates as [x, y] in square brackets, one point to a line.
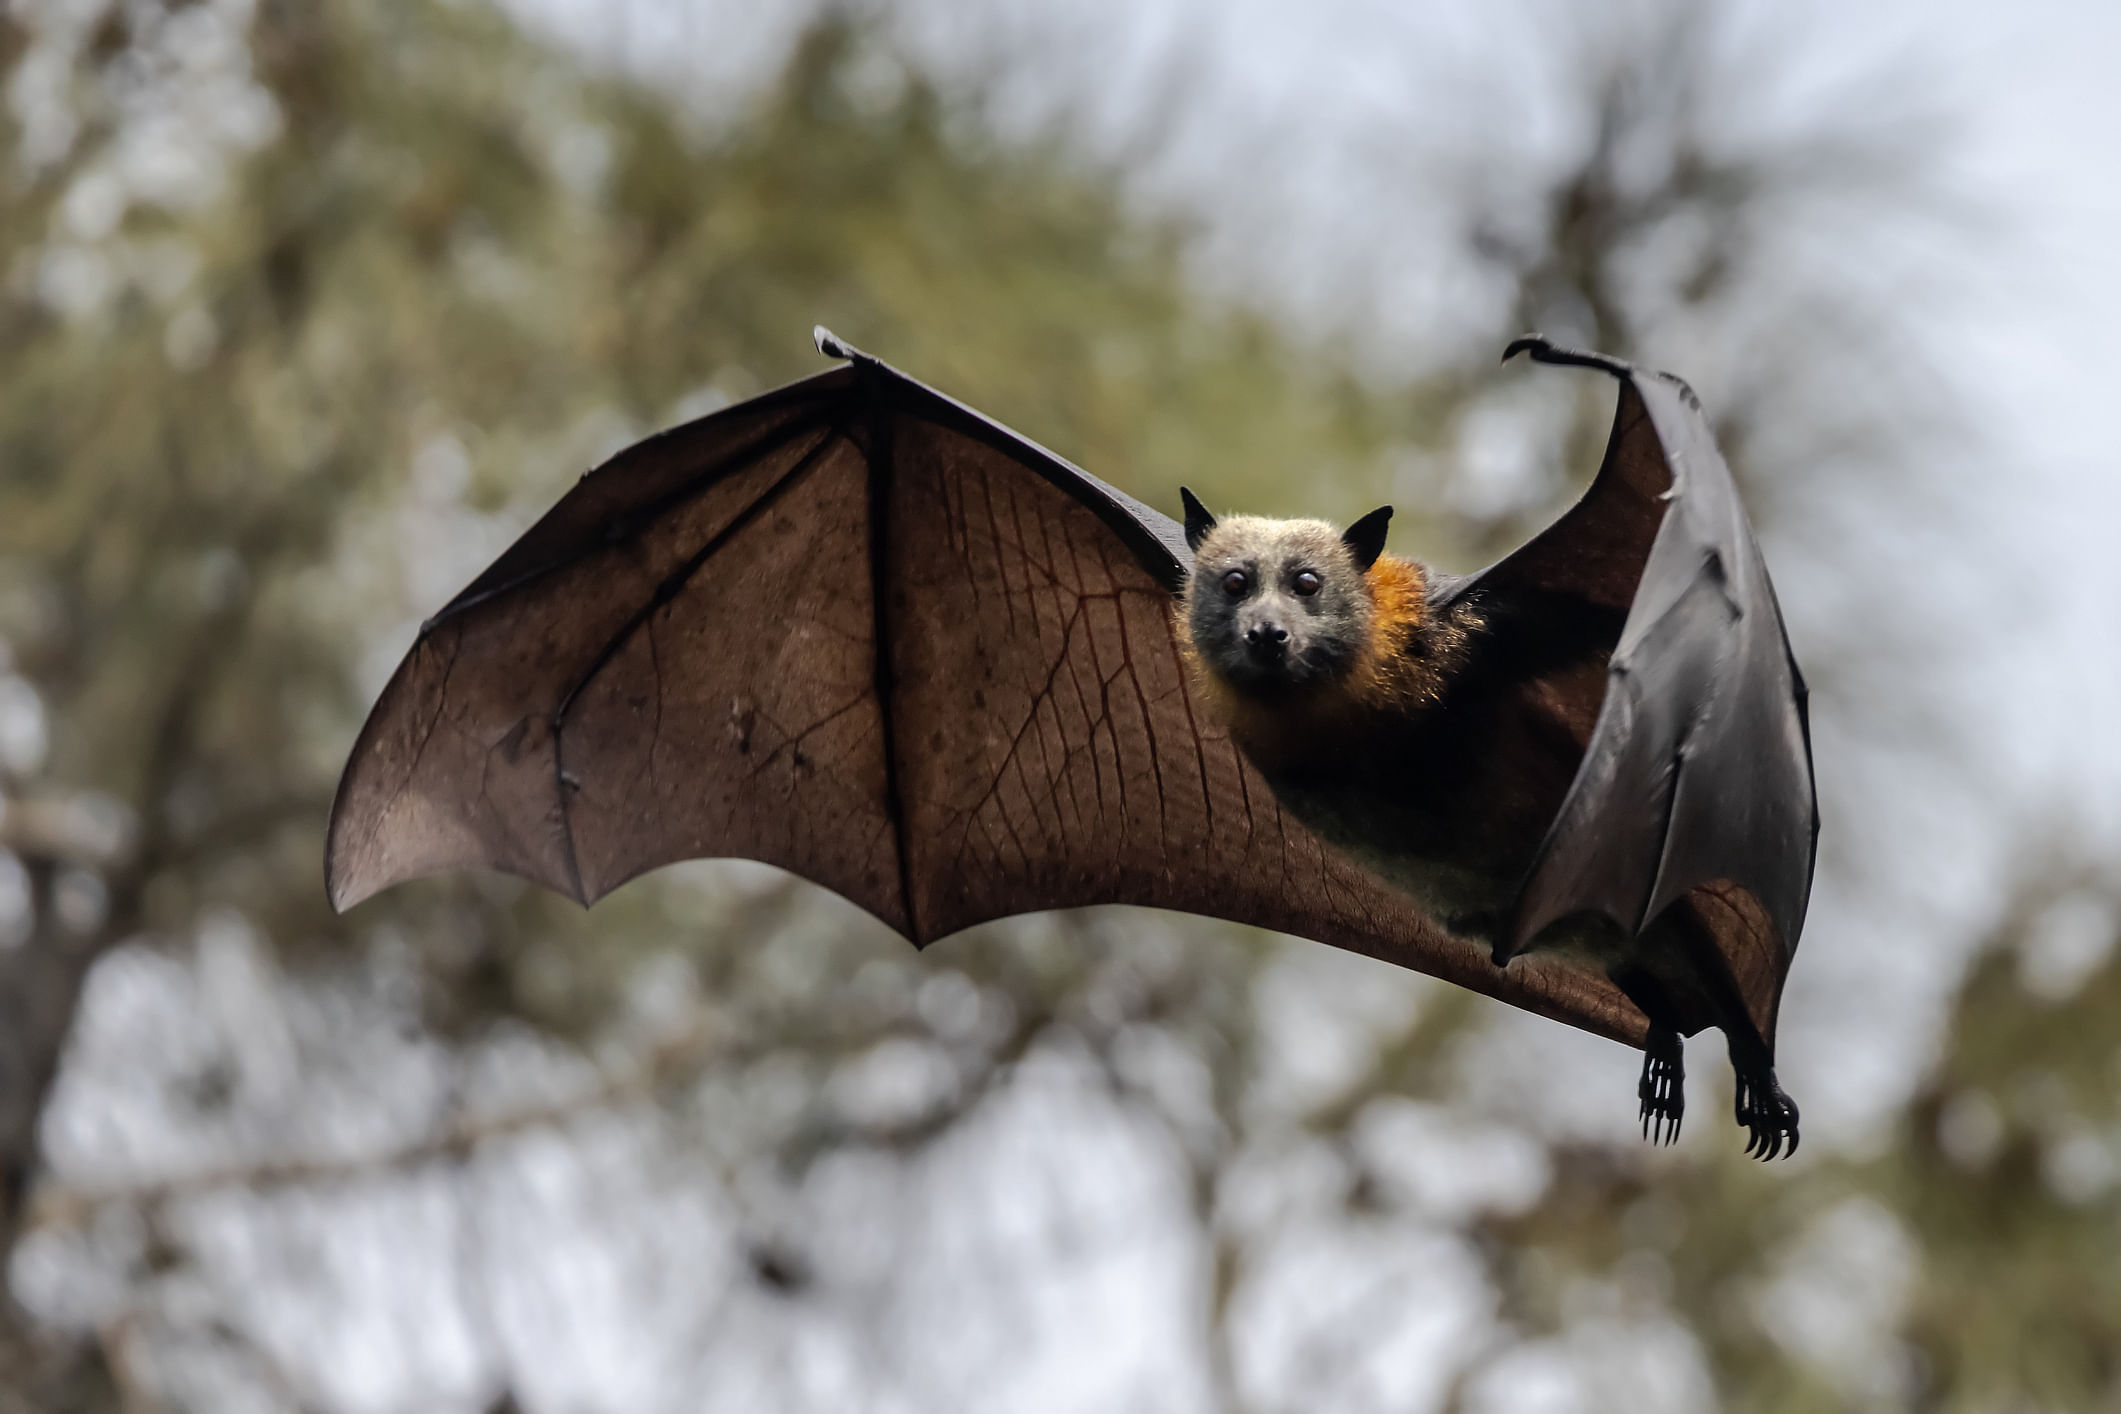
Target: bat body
[1432, 734]
[854, 629]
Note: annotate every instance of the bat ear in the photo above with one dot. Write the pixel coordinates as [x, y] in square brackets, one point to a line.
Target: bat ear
[1366, 538]
[1198, 520]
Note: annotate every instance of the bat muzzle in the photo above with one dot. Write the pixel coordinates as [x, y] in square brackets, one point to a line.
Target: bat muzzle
[1267, 644]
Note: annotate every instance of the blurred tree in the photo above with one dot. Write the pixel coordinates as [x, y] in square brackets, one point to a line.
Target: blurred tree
[271, 393]
[1992, 1208]
[252, 422]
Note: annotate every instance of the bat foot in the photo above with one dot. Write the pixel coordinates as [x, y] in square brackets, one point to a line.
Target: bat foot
[1662, 1089]
[1769, 1116]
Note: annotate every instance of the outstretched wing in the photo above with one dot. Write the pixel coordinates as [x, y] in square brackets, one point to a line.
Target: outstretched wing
[856, 630]
[1696, 783]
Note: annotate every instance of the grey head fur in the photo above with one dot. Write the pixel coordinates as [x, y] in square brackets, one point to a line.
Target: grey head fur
[1278, 606]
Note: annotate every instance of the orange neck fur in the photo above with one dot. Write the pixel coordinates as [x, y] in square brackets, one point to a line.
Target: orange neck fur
[1387, 676]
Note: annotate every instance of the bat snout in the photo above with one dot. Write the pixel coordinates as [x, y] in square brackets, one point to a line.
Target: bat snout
[1267, 642]
[1267, 635]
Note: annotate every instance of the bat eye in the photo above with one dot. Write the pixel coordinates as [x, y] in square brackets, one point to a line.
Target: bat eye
[1236, 582]
[1306, 583]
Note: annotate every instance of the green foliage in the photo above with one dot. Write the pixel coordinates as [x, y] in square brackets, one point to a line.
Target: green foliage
[456, 247]
[284, 422]
[2005, 1173]
[2000, 1179]
[455, 274]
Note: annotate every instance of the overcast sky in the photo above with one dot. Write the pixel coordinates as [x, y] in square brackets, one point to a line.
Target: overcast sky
[1306, 137]
[1293, 130]
[1288, 129]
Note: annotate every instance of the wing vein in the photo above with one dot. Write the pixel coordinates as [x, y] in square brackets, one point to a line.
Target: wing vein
[882, 474]
[639, 518]
[419, 752]
[1200, 748]
[1141, 700]
[671, 585]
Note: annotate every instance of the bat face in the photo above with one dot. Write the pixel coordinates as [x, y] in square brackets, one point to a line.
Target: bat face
[1276, 607]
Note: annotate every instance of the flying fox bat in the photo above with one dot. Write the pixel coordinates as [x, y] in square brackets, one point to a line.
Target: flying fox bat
[854, 629]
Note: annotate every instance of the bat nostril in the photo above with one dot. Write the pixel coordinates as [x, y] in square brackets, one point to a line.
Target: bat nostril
[1266, 638]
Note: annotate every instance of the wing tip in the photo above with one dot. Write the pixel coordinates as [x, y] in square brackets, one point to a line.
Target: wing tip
[347, 888]
[1545, 350]
[341, 890]
[343, 885]
[342, 896]
[1536, 344]
[356, 871]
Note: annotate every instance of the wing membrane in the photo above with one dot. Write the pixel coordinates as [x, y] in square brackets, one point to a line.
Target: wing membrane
[1055, 756]
[1695, 786]
[858, 631]
[598, 703]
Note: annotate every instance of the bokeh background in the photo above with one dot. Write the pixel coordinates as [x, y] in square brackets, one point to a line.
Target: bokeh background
[307, 307]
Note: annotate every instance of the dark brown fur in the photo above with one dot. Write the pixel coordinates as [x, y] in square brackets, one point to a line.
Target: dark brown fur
[1390, 759]
[1436, 747]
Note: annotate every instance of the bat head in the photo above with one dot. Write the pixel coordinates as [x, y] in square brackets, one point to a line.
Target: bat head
[1279, 607]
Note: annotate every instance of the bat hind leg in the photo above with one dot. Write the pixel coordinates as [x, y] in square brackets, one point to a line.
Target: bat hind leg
[1662, 1088]
[1769, 1115]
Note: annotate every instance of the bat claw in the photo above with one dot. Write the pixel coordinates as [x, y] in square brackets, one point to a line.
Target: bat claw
[1769, 1116]
[1488, 927]
[832, 345]
[1544, 350]
[1662, 1088]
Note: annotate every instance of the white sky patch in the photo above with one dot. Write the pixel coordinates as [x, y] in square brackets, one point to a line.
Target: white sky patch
[1323, 1014]
[1838, 1294]
[1448, 1166]
[24, 734]
[1062, 1227]
[1306, 144]
[2068, 941]
[1347, 1314]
